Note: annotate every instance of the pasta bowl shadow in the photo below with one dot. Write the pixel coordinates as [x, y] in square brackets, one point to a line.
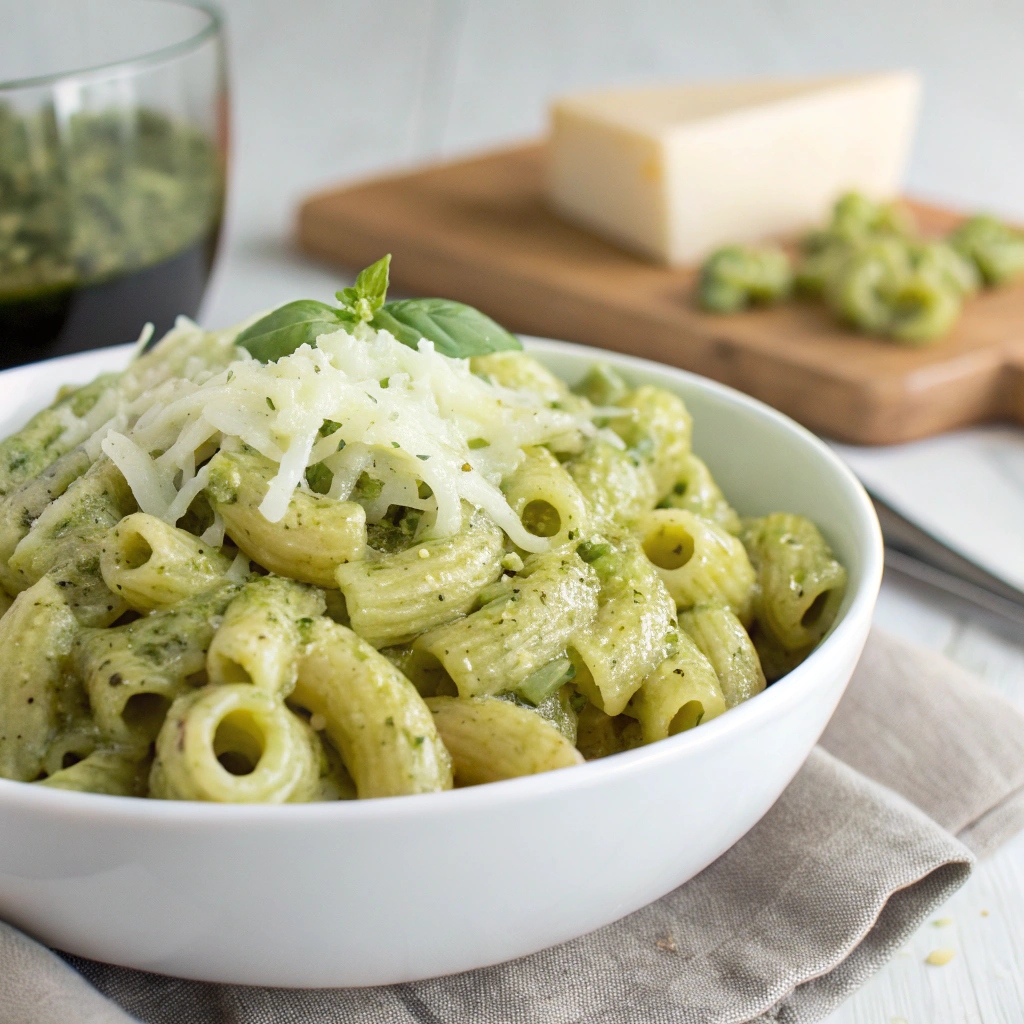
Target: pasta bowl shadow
[391, 890]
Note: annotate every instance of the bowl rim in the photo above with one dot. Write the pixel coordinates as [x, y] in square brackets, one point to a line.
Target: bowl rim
[134, 65]
[774, 700]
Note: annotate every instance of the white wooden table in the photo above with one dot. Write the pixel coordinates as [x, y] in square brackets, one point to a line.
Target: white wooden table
[333, 89]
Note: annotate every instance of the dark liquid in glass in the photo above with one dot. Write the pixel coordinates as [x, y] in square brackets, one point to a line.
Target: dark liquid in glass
[66, 320]
[108, 220]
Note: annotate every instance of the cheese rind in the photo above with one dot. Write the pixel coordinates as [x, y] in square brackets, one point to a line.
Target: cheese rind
[674, 172]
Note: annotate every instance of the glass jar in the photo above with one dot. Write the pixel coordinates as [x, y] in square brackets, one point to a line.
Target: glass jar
[113, 153]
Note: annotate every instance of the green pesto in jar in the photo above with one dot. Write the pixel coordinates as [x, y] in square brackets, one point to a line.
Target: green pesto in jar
[93, 198]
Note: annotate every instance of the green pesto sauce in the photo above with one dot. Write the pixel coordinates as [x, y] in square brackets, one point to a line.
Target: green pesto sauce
[99, 195]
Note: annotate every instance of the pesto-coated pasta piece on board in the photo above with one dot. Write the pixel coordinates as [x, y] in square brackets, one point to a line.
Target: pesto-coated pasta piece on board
[491, 739]
[151, 564]
[725, 643]
[64, 543]
[133, 672]
[393, 598]
[103, 771]
[523, 628]
[26, 503]
[801, 583]
[235, 744]
[698, 561]
[315, 536]
[264, 633]
[696, 491]
[615, 488]
[35, 637]
[657, 433]
[630, 635]
[372, 714]
[679, 694]
[546, 499]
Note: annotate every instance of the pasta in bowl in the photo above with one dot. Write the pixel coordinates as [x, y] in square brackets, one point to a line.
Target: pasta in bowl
[477, 570]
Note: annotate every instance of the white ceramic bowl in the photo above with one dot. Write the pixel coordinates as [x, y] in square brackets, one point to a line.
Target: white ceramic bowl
[392, 890]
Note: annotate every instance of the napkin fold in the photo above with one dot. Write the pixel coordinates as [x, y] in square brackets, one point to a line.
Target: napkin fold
[950, 744]
[858, 850]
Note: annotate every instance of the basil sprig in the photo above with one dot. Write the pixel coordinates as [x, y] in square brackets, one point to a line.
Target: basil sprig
[456, 329]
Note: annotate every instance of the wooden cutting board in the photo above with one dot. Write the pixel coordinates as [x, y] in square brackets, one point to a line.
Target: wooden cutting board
[480, 231]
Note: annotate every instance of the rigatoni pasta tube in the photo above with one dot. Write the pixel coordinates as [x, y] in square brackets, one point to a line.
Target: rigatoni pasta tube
[698, 561]
[65, 542]
[527, 626]
[373, 715]
[393, 598]
[802, 585]
[264, 633]
[314, 537]
[636, 617]
[133, 672]
[235, 744]
[657, 433]
[616, 489]
[48, 435]
[151, 564]
[546, 499]
[725, 643]
[492, 739]
[522, 372]
[696, 491]
[25, 504]
[103, 771]
[76, 738]
[35, 637]
[600, 735]
[679, 694]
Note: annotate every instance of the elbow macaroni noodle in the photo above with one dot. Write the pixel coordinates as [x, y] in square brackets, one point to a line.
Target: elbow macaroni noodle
[387, 572]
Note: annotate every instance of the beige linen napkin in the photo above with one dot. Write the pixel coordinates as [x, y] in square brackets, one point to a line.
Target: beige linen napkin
[781, 928]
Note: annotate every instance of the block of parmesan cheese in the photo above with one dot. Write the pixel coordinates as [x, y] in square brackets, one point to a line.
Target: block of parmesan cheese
[673, 172]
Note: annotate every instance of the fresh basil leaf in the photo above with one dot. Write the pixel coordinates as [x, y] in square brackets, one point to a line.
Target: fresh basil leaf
[369, 292]
[456, 329]
[372, 283]
[319, 478]
[280, 333]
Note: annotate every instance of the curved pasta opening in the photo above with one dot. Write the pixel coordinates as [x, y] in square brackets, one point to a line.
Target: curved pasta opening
[145, 712]
[427, 674]
[134, 550]
[541, 518]
[812, 616]
[239, 742]
[68, 750]
[669, 546]
[687, 717]
[231, 671]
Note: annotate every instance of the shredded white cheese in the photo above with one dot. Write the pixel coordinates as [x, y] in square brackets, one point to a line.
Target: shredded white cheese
[403, 416]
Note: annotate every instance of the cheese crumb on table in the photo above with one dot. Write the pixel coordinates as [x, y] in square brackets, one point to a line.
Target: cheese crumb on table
[939, 957]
